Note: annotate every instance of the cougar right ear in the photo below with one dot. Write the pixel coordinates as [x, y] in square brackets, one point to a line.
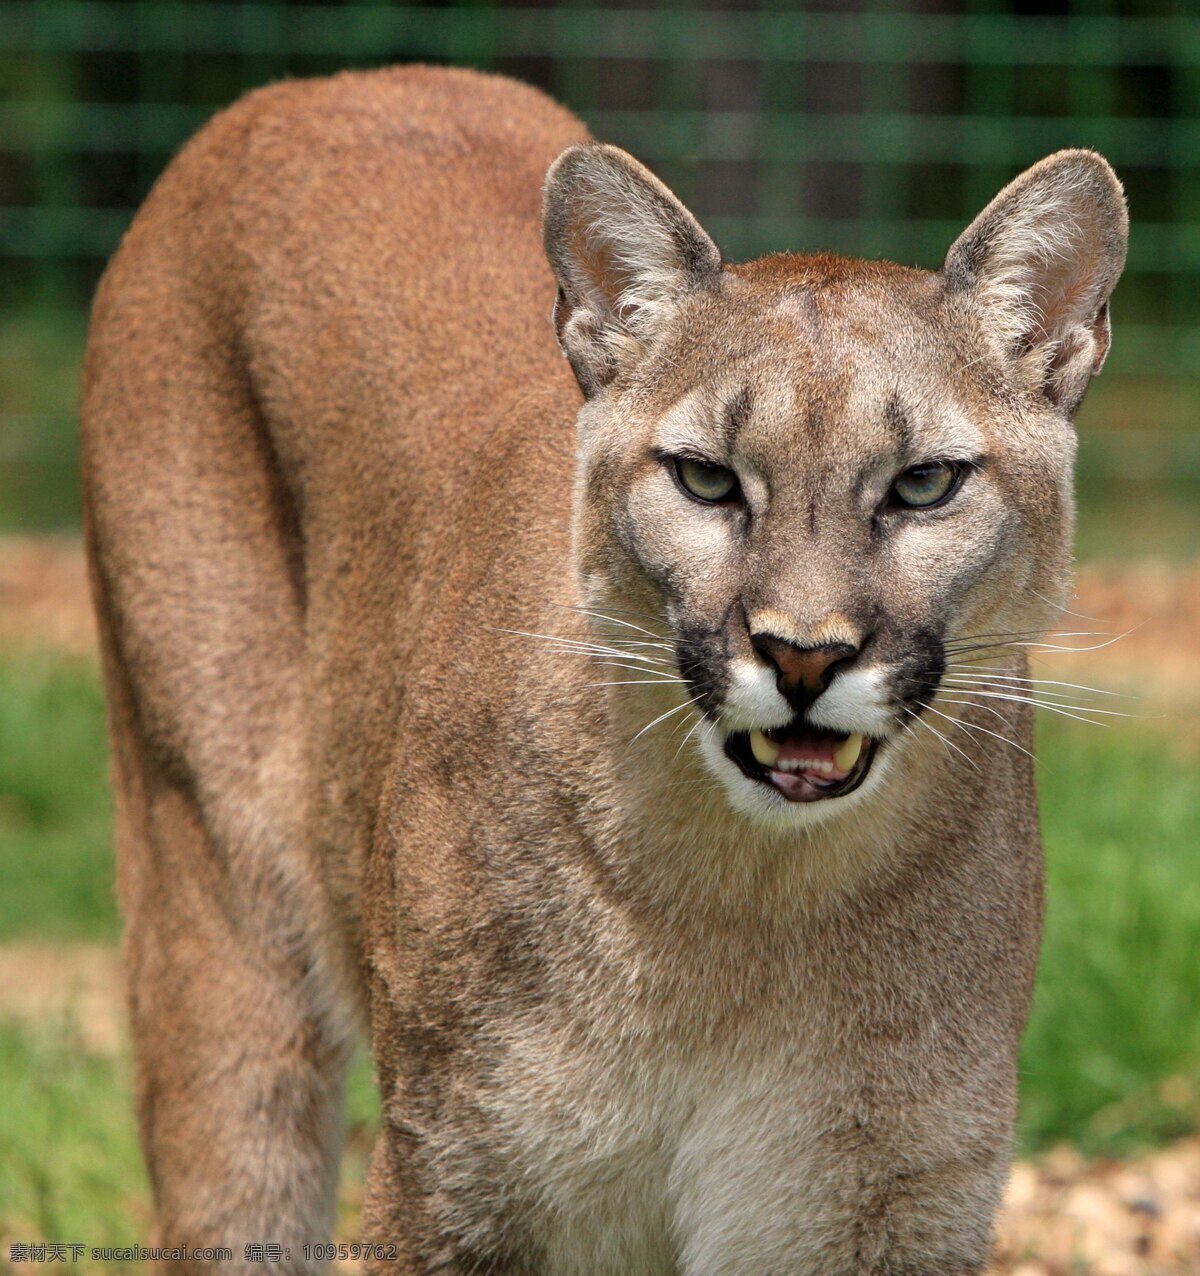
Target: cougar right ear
[1040, 263]
[624, 250]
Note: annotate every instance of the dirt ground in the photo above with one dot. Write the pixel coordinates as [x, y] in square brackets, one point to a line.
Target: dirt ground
[44, 595]
[1063, 1216]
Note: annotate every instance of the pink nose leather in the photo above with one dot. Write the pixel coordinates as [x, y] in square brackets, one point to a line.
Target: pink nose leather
[802, 667]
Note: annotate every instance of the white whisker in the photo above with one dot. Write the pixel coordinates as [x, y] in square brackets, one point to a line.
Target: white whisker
[628, 624]
[1037, 682]
[1066, 611]
[974, 726]
[695, 727]
[1050, 646]
[994, 633]
[657, 673]
[662, 717]
[1087, 633]
[1036, 702]
[986, 642]
[917, 718]
[1052, 708]
[1007, 688]
[620, 611]
[987, 708]
[639, 682]
[579, 646]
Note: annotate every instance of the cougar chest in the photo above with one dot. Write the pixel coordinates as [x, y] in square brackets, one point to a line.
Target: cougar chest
[635, 1142]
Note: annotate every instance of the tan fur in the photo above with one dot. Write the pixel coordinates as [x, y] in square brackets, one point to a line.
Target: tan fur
[630, 1013]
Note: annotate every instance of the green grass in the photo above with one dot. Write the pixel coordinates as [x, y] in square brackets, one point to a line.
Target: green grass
[1133, 518]
[69, 1165]
[1111, 1058]
[55, 811]
[70, 1168]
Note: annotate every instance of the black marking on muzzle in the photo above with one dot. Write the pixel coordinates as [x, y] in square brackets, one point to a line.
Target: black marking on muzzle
[918, 684]
[702, 657]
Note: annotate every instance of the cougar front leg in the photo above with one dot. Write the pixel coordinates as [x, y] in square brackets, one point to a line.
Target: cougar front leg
[416, 1225]
[239, 1067]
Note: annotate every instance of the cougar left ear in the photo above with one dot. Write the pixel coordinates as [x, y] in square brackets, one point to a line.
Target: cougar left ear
[1040, 262]
[624, 250]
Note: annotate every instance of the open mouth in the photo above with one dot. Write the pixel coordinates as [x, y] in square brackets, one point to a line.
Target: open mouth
[802, 762]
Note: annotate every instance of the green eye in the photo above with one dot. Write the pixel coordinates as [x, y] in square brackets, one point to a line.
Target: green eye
[710, 483]
[925, 485]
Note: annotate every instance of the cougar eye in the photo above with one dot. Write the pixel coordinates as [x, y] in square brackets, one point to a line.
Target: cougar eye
[925, 485]
[711, 483]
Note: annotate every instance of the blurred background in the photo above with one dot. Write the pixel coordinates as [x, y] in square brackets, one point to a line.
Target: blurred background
[870, 128]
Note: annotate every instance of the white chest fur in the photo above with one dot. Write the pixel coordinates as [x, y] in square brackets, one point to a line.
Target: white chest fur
[648, 1159]
[768, 1148]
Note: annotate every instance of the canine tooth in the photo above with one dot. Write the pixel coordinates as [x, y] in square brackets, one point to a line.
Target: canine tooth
[846, 754]
[765, 751]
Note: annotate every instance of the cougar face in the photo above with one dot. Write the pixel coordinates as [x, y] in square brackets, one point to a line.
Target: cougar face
[823, 481]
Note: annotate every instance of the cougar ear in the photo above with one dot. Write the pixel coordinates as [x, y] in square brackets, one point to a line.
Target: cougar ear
[1040, 262]
[624, 250]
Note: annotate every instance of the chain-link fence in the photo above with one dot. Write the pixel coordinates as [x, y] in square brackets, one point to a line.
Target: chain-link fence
[873, 128]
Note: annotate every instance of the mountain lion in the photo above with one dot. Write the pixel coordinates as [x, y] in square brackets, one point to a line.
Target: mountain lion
[641, 755]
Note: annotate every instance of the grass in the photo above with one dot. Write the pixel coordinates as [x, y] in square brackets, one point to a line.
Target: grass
[70, 1168]
[1111, 1059]
[69, 1165]
[55, 810]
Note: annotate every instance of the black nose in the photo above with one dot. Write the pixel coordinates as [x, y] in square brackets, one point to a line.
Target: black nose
[802, 673]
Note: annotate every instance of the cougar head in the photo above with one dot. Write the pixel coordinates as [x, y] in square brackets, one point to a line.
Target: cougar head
[826, 479]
